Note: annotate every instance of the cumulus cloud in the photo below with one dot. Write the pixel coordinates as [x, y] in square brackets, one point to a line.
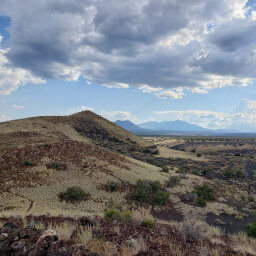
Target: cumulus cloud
[3, 118]
[118, 115]
[12, 78]
[242, 118]
[165, 45]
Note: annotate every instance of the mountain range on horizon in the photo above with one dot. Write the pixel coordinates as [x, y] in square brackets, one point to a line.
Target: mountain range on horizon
[169, 128]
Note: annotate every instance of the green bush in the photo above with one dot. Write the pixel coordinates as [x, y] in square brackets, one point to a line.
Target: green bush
[250, 199]
[146, 150]
[116, 214]
[75, 194]
[149, 223]
[239, 174]
[161, 197]
[205, 192]
[252, 230]
[111, 214]
[243, 198]
[56, 165]
[155, 185]
[154, 162]
[228, 174]
[150, 191]
[140, 195]
[205, 172]
[165, 169]
[173, 181]
[198, 154]
[113, 186]
[28, 163]
[201, 202]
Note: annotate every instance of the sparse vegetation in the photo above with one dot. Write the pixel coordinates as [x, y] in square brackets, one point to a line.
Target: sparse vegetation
[204, 193]
[150, 191]
[165, 169]
[122, 215]
[173, 181]
[149, 223]
[56, 165]
[74, 194]
[161, 197]
[250, 199]
[252, 230]
[113, 186]
[28, 163]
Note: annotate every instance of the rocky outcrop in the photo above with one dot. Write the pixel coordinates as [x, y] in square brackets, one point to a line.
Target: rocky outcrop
[15, 241]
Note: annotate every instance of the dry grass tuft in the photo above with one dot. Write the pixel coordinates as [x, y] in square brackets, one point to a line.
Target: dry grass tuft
[243, 244]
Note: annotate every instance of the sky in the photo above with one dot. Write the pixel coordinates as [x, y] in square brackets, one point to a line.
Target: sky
[192, 60]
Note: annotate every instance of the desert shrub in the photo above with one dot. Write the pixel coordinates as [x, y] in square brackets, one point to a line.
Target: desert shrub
[28, 163]
[165, 169]
[113, 186]
[201, 202]
[183, 169]
[243, 198]
[149, 223]
[252, 230]
[155, 152]
[191, 197]
[132, 148]
[114, 139]
[250, 199]
[153, 147]
[228, 174]
[111, 214]
[116, 214]
[146, 150]
[237, 154]
[154, 162]
[140, 195]
[239, 174]
[198, 154]
[56, 165]
[205, 172]
[161, 197]
[144, 188]
[205, 192]
[155, 185]
[173, 181]
[193, 150]
[152, 191]
[196, 172]
[75, 194]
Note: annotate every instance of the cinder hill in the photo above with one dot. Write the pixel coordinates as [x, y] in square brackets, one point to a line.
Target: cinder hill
[41, 157]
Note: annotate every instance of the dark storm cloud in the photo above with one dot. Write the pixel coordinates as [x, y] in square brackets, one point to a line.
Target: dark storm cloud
[163, 43]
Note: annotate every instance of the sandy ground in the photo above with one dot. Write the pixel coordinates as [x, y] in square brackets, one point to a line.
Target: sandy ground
[167, 153]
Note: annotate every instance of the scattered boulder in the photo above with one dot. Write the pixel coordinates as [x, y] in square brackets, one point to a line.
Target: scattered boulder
[46, 233]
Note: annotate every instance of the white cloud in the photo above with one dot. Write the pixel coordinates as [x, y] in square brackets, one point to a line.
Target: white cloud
[78, 109]
[242, 118]
[3, 118]
[164, 45]
[12, 78]
[118, 115]
[17, 106]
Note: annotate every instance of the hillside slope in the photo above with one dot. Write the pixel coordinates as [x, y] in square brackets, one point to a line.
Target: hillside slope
[40, 157]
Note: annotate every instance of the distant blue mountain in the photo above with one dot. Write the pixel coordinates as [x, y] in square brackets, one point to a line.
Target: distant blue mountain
[130, 126]
[177, 125]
